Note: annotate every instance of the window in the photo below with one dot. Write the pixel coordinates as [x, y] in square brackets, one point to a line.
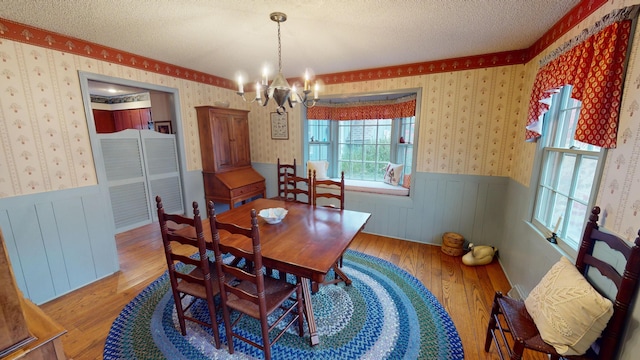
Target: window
[569, 173]
[405, 143]
[362, 148]
[319, 139]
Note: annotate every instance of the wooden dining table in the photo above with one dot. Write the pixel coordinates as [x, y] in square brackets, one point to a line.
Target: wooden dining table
[306, 243]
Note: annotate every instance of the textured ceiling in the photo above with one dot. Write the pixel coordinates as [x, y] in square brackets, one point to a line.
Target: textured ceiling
[225, 37]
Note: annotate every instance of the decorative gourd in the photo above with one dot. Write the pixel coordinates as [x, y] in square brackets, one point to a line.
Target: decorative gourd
[479, 255]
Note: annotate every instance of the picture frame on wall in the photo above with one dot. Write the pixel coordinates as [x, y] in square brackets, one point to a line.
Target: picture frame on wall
[279, 126]
[163, 127]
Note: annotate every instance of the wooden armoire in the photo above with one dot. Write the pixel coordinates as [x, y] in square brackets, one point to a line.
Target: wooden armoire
[226, 156]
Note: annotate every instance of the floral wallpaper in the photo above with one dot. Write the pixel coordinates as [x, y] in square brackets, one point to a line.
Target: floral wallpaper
[45, 141]
[619, 193]
[471, 121]
[45, 145]
[468, 119]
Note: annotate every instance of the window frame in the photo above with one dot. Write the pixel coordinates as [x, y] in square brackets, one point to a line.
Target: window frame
[547, 144]
[333, 155]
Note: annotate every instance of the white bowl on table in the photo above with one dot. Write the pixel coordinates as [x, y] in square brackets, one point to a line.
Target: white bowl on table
[273, 215]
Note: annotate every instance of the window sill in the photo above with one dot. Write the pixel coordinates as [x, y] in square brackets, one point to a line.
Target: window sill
[374, 187]
[561, 247]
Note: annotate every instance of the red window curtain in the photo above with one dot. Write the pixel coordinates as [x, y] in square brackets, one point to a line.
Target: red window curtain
[595, 68]
[364, 111]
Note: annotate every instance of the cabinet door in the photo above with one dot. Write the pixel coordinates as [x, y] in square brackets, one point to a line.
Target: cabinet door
[222, 141]
[145, 118]
[122, 120]
[240, 141]
[104, 121]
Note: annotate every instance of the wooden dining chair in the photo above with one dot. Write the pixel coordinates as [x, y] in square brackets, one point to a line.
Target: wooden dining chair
[326, 188]
[284, 169]
[201, 281]
[334, 191]
[248, 291]
[298, 189]
[511, 316]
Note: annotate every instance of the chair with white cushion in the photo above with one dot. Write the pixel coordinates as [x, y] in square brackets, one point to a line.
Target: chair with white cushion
[575, 312]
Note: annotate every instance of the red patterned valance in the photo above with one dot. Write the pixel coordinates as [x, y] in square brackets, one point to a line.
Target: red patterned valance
[595, 68]
[364, 111]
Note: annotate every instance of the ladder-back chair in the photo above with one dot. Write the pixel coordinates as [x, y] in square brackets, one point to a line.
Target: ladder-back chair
[326, 188]
[298, 189]
[330, 189]
[248, 290]
[284, 169]
[201, 282]
[523, 331]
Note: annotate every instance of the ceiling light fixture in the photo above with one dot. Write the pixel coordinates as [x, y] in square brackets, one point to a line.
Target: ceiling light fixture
[279, 89]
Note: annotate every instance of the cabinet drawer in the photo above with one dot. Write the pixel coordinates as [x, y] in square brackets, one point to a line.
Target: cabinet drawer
[247, 189]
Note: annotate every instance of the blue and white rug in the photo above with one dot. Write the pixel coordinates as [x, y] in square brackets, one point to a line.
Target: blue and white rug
[385, 314]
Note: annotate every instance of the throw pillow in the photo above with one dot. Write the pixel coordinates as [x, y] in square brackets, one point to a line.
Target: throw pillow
[320, 167]
[392, 173]
[569, 313]
[406, 182]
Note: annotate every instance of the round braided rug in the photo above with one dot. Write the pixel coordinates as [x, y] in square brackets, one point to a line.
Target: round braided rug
[386, 313]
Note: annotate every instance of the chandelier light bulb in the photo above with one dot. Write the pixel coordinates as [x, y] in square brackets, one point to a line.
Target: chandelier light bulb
[240, 85]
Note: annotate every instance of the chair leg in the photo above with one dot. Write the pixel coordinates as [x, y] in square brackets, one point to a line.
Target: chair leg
[495, 309]
[518, 349]
[300, 299]
[266, 344]
[227, 327]
[178, 301]
[214, 323]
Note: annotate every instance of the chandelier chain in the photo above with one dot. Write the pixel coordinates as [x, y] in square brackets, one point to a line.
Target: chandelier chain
[279, 50]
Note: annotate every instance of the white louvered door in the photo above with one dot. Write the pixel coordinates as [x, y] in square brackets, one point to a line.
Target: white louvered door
[140, 164]
[160, 156]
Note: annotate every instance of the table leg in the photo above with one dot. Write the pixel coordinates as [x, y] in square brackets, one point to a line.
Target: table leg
[308, 310]
[340, 274]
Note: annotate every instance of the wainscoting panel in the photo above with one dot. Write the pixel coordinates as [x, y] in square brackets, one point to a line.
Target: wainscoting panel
[29, 245]
[71, 224]
[53, 247]
[58, 241]
[467, 204]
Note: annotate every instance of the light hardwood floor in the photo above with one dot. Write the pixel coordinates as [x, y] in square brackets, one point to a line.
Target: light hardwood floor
[466, 292]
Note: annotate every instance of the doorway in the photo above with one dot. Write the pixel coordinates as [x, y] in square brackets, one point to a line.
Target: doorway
[89, 81]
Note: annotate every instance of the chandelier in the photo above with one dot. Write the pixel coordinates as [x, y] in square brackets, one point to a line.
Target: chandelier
[279, 88]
